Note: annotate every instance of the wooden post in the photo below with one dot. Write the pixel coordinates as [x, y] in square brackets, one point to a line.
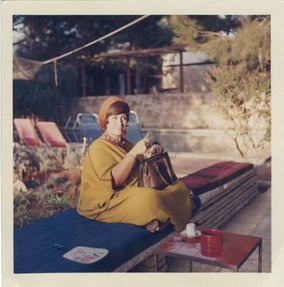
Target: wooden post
[181, 72]
[83, 77]
[128, 76]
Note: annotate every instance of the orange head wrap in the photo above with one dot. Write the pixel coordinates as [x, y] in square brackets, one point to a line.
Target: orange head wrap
[104, 110]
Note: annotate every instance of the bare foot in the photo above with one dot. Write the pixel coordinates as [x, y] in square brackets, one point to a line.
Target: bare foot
[153, 226]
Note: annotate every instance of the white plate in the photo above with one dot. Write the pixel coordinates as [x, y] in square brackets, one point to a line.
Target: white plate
[85, 255]
[197, 234]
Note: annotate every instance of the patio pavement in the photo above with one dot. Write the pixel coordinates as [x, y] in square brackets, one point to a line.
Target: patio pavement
[253, 219]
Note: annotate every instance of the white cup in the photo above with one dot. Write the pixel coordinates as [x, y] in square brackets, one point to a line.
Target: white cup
[190, 230]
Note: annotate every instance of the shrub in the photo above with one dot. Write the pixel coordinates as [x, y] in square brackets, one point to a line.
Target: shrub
[46, 181]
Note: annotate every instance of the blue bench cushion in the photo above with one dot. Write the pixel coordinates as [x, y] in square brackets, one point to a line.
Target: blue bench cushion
[35, 252]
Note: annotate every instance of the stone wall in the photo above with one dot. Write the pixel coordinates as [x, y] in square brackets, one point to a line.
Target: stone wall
[188, 110]
[194, 113]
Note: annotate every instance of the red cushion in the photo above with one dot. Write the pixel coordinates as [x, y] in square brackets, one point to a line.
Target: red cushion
[224, 164]
[200, 184]
[57, 143]
[215, 175]
[32, 141]
[226, 172]
[51, 134]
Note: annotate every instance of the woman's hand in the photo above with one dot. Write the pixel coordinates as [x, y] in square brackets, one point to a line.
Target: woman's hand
[154, 150]
[121, 171]
[140, 148]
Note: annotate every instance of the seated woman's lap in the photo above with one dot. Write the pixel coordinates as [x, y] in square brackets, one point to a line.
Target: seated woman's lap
[135, 205]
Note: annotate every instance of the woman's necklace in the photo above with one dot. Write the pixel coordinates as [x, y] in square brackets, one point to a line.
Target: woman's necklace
[119, 142]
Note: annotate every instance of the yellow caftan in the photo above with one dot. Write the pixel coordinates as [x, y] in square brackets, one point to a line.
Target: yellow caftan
[129, 203]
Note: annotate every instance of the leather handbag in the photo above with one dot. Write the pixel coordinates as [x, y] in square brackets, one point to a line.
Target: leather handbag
[156, 172]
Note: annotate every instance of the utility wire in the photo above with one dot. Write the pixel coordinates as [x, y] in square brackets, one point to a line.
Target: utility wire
[95, 41]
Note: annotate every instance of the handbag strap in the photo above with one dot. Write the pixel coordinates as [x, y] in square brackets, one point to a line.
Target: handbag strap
[160, 174]
[170, 167]
[162, 177]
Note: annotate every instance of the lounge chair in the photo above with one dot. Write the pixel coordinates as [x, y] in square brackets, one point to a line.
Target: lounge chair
[27, 132]
[51, 134]
[134, 133]
[88, 126]
[71, 134]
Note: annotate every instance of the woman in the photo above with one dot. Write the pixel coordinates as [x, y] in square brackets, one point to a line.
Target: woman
[109, 186]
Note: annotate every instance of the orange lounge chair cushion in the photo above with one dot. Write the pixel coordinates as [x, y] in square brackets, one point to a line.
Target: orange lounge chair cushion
[51, 134]
[26, 132]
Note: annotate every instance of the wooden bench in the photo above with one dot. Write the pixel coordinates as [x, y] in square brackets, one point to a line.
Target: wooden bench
[223, 188]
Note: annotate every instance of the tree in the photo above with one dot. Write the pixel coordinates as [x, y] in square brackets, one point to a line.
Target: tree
[45, 37]
[40, 98]
[50, 36]
[241, 77]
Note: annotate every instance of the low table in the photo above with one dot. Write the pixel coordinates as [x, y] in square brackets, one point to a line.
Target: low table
[236, 249]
